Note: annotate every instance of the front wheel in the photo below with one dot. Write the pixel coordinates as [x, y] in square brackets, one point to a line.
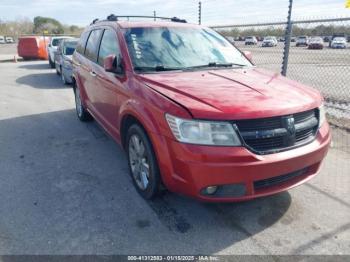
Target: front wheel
[143, 164]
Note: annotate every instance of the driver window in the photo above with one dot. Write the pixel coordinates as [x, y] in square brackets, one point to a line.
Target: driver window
[109, 46]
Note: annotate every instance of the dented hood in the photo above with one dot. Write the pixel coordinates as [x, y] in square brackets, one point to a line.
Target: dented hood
[234, 93]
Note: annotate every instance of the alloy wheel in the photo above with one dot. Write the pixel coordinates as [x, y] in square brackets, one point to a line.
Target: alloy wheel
[139, 163]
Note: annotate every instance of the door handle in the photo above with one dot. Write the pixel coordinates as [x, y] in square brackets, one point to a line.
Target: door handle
[92, 73]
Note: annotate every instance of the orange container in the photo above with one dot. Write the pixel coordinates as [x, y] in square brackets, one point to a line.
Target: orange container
[33, 47]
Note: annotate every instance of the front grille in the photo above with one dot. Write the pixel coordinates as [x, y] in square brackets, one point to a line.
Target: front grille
[270, 135]
[260, 184]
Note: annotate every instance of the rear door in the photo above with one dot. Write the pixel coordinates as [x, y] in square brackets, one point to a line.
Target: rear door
[108, 85]
[87, 68]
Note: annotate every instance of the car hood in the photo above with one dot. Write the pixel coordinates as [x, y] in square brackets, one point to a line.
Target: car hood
[69, 57]
[234, 93]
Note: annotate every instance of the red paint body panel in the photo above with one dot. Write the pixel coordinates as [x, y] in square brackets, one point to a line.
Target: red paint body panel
[191, 168]
[235, 93]
[225, 94]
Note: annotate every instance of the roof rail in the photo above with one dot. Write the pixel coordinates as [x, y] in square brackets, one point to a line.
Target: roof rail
[94, 21]
[113, 17]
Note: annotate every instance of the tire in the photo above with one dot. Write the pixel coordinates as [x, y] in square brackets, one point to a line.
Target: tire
[57, 72]
[142, 162]
[63, 78]
[82, 113]
[52, 64]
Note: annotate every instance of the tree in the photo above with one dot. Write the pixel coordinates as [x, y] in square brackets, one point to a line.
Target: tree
[52, 26]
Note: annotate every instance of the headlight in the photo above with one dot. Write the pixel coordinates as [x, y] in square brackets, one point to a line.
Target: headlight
[322, 115]
[203, 132]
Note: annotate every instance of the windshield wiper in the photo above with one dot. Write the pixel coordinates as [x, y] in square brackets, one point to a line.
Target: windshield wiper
[214, 64]
[155, 68]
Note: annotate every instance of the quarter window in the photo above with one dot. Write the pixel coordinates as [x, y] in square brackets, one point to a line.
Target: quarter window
[109, 46]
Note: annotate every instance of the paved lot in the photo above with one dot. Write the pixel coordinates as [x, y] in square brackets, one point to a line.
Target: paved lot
[327, 69]
[65, 190]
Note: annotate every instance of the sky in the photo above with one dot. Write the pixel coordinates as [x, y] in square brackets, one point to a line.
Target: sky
[214, 12]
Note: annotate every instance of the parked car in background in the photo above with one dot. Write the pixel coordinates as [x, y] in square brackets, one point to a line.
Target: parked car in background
[2, 39]
[251, 40]
[52, 47]
[338, 42]
[281, 39]
[269, 41]
[9, 40]
[302, 41]
[32, 47]
[327, 39]
[335, 36]
[293, 39]
[316, 43]
[193, 114]
[63, 59]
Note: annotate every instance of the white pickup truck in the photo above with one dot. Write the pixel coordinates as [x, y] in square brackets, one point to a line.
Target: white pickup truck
[52, 48]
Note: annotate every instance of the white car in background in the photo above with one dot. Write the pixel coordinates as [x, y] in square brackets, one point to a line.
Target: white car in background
[52, 48]
[339, 42]
[302, 41]
[9, 40]
[2, 40]
[269, 41]
[251, 40]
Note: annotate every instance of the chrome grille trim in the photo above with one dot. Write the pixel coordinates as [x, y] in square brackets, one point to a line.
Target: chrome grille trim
[272, 135]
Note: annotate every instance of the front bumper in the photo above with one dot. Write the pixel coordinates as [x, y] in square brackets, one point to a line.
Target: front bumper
[338, 46]
[188, 169]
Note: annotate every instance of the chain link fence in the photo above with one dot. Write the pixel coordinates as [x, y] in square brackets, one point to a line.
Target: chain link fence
[319, 56]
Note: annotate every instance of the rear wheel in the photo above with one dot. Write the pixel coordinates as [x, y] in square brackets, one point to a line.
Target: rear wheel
[52, 64]
[82, 113]
[57, 71]
[63, 78]
[143, 164]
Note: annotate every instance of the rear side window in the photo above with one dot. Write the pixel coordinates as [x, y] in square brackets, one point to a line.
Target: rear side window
[109, 46]
[92, 45]
[82, 42]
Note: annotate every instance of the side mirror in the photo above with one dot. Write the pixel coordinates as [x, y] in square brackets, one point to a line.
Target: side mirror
[111, 63]
[248, 55]
[49, 45]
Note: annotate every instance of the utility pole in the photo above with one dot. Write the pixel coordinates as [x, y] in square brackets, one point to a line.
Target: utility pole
[154, 14]
[287, 39]
[199, 12]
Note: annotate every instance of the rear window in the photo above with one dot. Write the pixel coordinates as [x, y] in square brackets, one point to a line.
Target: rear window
[92, 45]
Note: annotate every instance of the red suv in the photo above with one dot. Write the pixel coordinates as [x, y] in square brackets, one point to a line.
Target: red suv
[193, 113]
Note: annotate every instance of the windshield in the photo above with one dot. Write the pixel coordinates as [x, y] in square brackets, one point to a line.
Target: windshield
[316, 39]
[340, 39]
[69, 47]
[180, 48]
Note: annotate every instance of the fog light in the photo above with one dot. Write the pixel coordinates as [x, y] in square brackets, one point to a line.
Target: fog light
[211, 190]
